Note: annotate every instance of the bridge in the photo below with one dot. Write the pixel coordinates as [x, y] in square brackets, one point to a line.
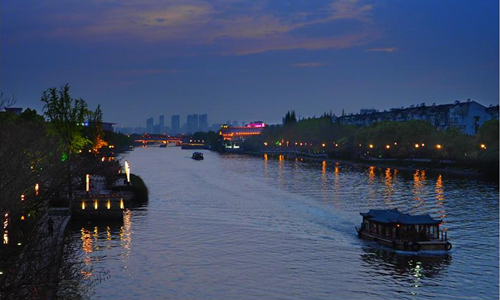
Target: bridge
[158, 139]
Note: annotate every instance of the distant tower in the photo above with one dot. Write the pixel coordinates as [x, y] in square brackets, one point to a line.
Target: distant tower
[203, 120]
[343, 113]
[192, 124]
[149, 125]
[162, 124]
[176, 124]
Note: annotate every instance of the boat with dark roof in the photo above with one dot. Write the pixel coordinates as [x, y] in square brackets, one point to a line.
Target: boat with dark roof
[401, 231]
[197, 156]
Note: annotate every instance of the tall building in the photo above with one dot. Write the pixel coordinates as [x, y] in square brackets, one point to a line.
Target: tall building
[161, 124]
[192, 123]
[149, 125]
[203, 120]
[176, 124]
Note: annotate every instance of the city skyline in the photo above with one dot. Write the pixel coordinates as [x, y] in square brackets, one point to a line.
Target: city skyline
[251, 60]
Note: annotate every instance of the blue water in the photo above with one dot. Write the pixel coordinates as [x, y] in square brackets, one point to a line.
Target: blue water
[246, 227]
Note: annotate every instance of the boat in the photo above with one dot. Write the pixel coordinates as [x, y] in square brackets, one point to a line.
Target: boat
[197, 156]
[390, 227]
[163, 146]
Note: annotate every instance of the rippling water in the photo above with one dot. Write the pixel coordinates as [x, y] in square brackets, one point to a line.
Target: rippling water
[243, 227]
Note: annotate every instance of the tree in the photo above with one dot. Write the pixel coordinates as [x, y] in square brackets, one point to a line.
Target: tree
[96, 134]
[66, 117]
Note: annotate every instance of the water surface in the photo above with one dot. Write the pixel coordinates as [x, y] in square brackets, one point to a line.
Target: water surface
[246, 227]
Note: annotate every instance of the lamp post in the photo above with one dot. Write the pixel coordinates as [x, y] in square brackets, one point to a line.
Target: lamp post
[127, 172]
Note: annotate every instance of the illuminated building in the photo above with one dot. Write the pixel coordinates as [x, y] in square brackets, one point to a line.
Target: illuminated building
[233, 136]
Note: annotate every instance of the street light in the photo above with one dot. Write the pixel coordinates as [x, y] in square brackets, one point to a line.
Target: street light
[371, 146]
[439, 146]
[483, 146]
[387, 146]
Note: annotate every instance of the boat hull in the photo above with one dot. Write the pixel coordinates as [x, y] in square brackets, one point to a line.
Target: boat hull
[407, 245]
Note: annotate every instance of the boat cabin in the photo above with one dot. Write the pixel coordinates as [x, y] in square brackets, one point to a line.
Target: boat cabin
[392, 224]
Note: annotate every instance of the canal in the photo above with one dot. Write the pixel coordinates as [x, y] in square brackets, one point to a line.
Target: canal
[248, 227]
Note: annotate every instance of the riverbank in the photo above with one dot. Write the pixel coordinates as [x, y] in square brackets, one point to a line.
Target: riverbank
[406, 165]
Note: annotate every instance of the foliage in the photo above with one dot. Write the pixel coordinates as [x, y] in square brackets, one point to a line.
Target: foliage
[66, 117]
[400, 140]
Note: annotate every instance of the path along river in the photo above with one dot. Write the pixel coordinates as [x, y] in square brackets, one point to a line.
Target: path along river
[248, 227]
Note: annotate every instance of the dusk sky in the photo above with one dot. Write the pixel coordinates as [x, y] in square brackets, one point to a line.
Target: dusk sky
[249, 60]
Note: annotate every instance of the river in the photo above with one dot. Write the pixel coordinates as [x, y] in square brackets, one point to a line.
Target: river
[258, 227]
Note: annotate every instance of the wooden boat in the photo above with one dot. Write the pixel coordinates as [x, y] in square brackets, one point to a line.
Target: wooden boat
[197, 156]
[405, 232]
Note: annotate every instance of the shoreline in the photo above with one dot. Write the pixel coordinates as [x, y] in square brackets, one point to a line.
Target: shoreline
[380, 164]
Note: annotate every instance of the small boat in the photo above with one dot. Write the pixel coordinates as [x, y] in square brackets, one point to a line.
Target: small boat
[163, 146]
[197, 156]
[405, 232]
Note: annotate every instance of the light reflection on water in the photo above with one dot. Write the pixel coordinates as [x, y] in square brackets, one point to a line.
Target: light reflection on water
[265, 227]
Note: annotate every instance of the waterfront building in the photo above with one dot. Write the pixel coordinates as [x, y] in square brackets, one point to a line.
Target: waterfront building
[467, 116]
[176, 124]
[233, 136]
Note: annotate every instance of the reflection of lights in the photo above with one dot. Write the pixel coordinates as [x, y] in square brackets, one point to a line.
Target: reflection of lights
[416, 272]
[95, 204]
[22, 197]
[323, 168]
[86, 240]
[5, 229]
[265, 156]
[108, 204]
[83, 204]
[122, 206]
[37, 189]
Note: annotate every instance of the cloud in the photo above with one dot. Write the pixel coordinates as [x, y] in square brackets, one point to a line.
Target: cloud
[388, 50]
[231, 27]
[308, 65]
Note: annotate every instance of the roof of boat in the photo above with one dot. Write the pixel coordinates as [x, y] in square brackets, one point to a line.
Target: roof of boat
[395, 216]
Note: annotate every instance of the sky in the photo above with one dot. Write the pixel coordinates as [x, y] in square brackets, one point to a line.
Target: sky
[249, 60]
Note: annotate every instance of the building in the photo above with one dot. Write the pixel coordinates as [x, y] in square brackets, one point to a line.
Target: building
[232, 136]
[161, 124]
[192, 124]
[15, 110]
[176, 124]
[149, 125]
[203, 122]
[466, 116]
